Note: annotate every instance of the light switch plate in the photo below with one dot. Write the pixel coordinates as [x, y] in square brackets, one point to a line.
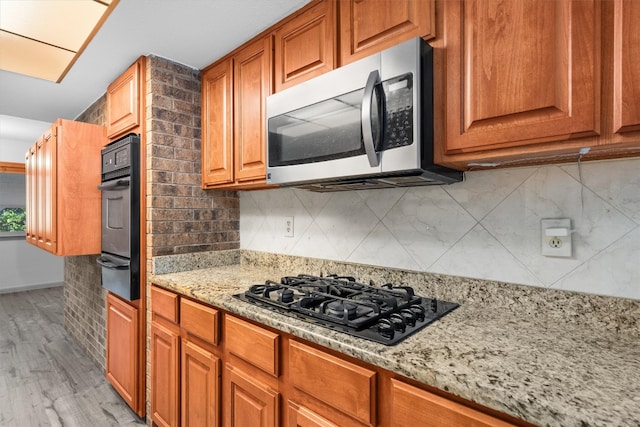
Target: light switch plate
[556, 245]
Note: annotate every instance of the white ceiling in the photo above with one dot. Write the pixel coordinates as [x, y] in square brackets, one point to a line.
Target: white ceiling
[191, 32]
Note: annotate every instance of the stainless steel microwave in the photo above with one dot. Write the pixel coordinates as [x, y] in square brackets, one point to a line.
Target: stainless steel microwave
[366, 125]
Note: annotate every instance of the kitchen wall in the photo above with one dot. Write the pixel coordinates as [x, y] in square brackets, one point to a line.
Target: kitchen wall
[17, 257]
[487, 227]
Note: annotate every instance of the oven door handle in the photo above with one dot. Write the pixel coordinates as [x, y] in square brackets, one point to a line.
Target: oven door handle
[111, 264]
[121, 183]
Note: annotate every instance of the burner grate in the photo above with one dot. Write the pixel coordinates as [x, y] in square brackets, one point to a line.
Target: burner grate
[385, 314]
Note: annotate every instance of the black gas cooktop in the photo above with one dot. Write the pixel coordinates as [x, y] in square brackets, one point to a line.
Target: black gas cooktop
[386, 314]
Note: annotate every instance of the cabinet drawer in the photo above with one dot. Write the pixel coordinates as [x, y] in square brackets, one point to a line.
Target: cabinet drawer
[164, 303]
[199, 320]
[342, 385]
[413, 406]
[252, 344]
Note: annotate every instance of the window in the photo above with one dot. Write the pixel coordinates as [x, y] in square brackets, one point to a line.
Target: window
[12, 219]
[12, 205]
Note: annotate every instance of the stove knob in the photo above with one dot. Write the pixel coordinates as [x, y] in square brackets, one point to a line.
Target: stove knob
[386, 328]
[398, 322]
[409, 316]
[419, 311]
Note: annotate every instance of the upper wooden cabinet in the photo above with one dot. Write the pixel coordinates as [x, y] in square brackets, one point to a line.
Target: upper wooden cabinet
[31, 190]
[217, 124]
[368, 26]
[306, 46]
[62, 178]
[252, 85]
[626, 65]
[234, 93]
[123, 101]
[519, 72]
[528, 82]
[46, 154]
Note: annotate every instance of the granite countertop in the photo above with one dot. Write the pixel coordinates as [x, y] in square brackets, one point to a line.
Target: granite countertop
[534, 367]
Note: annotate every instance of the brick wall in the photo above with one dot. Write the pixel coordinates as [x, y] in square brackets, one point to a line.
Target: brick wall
[84, 305]
[84, 297]
[183, 217]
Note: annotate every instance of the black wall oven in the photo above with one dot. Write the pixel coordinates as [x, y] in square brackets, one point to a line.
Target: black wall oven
[120, 254]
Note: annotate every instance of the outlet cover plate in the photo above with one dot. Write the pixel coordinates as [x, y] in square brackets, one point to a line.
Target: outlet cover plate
[556, 246]
[288, 226]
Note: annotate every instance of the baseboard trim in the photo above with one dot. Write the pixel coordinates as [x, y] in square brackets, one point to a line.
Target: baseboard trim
[30, 287]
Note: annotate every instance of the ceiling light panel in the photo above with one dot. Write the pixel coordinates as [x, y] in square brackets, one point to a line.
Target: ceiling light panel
[26, 56]
[62, 23]
[62, 27]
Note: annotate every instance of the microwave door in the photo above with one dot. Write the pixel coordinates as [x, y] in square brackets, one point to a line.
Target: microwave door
[314, 129]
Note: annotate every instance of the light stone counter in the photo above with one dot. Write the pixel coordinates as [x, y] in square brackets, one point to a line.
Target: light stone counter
[504, 352]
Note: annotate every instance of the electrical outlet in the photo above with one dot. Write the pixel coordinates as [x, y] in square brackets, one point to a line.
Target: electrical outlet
[556, 237]
[288, 226]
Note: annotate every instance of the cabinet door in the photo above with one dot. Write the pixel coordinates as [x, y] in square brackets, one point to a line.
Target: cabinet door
[369, 26]
[217, 124]
[200, 386]
[305, 47]
[520, 72]
[626, 66]
[252, 85]
[123, 100]
[46, 206]
[122, 349]
[31, 190]
[249, 402]
[165, 376]
[412, 406]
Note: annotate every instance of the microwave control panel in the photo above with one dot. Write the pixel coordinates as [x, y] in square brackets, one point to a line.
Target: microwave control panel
[398, 114]
[119, 158]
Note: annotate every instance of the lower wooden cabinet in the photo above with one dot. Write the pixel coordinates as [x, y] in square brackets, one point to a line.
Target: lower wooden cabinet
[165, 375]
[210, 368]
[200, 386]
[249, 402]
[123, 350]
[335, 386]
[185, 362]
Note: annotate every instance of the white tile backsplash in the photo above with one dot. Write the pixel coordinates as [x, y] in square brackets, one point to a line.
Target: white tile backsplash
[487, 227]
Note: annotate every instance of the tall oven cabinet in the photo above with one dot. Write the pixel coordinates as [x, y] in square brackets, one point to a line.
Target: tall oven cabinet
[62, 197]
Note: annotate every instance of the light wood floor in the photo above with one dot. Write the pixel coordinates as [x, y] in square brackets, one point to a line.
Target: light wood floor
[45, 378]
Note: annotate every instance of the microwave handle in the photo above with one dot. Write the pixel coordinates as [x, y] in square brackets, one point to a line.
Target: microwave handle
[367, 127]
